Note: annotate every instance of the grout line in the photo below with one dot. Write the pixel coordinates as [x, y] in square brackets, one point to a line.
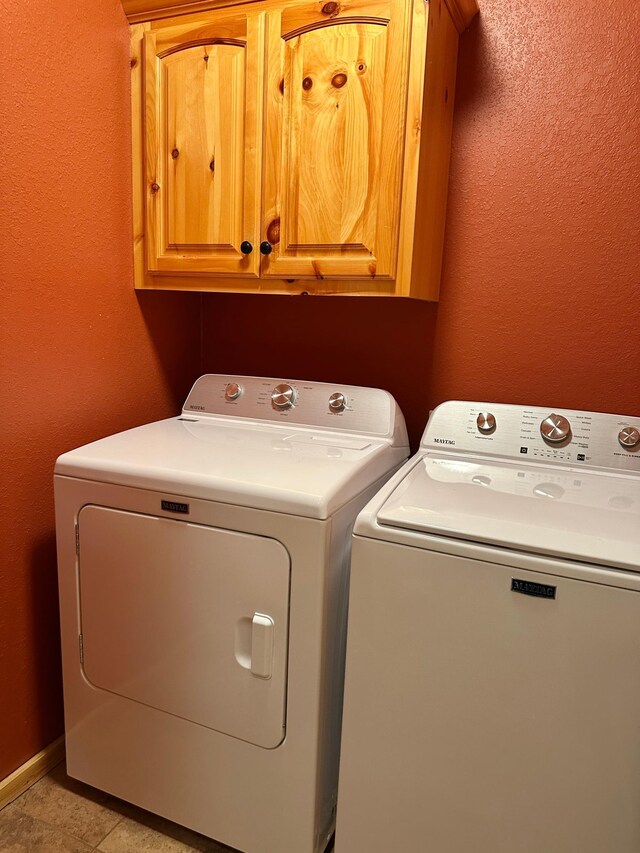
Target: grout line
[64, 830]
[113, 828]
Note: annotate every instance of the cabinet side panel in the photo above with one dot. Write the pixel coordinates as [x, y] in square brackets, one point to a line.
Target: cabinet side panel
[435, 148]
[137, 151]
[413, 139]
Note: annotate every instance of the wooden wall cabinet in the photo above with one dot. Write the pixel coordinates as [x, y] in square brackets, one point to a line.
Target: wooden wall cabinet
[293, 146]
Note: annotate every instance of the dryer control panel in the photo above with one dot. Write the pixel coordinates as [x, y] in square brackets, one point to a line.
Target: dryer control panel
[534, 434]
[369, 411]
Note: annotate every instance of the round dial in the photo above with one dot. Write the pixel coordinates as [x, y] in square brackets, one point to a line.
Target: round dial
[555, 428]
[232, 391]
[283, 396]
[337, 402]
[629, 437]
[486, 422]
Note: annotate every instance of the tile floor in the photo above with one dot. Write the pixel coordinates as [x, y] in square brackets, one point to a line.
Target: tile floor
[60, 815]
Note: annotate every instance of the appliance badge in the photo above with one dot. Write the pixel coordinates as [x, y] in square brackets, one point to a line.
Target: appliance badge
[444, 441]
[540, 590]
[172, 506]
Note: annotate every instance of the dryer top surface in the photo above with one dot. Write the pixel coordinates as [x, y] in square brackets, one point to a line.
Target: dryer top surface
[303, 448]
[301, 472]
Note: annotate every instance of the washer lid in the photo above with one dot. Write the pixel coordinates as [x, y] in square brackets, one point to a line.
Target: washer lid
[265, 466]
[578, 515]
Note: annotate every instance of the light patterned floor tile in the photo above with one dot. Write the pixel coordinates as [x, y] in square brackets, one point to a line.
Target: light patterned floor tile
[71, 806]
[22, 833]
[151, 834]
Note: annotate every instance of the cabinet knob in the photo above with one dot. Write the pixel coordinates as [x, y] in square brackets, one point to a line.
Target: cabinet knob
[266, 248]
[246, 248]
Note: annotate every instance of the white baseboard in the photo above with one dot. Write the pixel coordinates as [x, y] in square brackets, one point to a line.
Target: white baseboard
[32, 770]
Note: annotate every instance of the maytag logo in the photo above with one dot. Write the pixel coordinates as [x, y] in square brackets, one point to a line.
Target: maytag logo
[539, 590]
[172, 506]
[444, 441]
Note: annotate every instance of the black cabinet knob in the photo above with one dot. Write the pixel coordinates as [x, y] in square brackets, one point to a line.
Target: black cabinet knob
[246, 248]
[266, 248]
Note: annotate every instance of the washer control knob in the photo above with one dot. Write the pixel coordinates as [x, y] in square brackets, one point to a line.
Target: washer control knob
[337, 402]
[232, 391]
[283, 396]
[486, 422]
[629, 437]
[555, 428]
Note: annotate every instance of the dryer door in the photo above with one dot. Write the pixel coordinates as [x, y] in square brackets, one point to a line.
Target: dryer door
[188, 619]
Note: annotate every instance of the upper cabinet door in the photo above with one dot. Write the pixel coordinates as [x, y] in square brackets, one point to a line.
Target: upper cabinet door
[203, 107]
[334, 135]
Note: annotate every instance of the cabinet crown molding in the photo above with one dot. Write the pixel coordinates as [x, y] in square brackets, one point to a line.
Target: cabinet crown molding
[139, 11]
[462, 11]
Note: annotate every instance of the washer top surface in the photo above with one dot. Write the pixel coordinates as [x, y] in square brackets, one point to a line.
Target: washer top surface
[577, 498]
[236, 442]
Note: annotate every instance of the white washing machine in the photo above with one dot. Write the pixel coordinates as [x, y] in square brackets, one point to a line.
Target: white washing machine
[203, 570]
[492, 692]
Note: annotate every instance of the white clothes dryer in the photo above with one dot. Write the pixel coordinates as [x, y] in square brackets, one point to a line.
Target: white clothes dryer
[203, 572]
[492, 692]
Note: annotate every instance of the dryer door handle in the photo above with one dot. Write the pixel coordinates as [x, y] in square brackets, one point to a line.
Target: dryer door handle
[262, 645]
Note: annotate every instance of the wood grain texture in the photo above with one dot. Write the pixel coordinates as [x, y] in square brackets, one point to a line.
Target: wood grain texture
[334, 111]
[204, 90]
[140, 11]
[345, 130]
[278, 286]
[462, 12]
[433, 175]
[137, 150]
[29, 773]
[202, 118]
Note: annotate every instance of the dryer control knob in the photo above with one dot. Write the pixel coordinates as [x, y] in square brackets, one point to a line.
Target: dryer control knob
[486, 422]
[283, 396]
[629, 437]
[555, 428]
[337, 402]
[233, 391]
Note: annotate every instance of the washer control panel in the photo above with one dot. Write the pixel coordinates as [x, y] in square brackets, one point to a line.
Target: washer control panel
[363, 410]
[572, 437]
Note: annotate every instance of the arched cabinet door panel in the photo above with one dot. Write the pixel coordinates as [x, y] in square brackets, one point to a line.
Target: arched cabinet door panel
[334, 133]
[202, 125]
[293, 146]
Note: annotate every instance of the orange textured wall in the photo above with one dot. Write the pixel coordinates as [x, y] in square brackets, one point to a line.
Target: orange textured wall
[539, 300]
[539, 295]
[541, 279]
[80, 355]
